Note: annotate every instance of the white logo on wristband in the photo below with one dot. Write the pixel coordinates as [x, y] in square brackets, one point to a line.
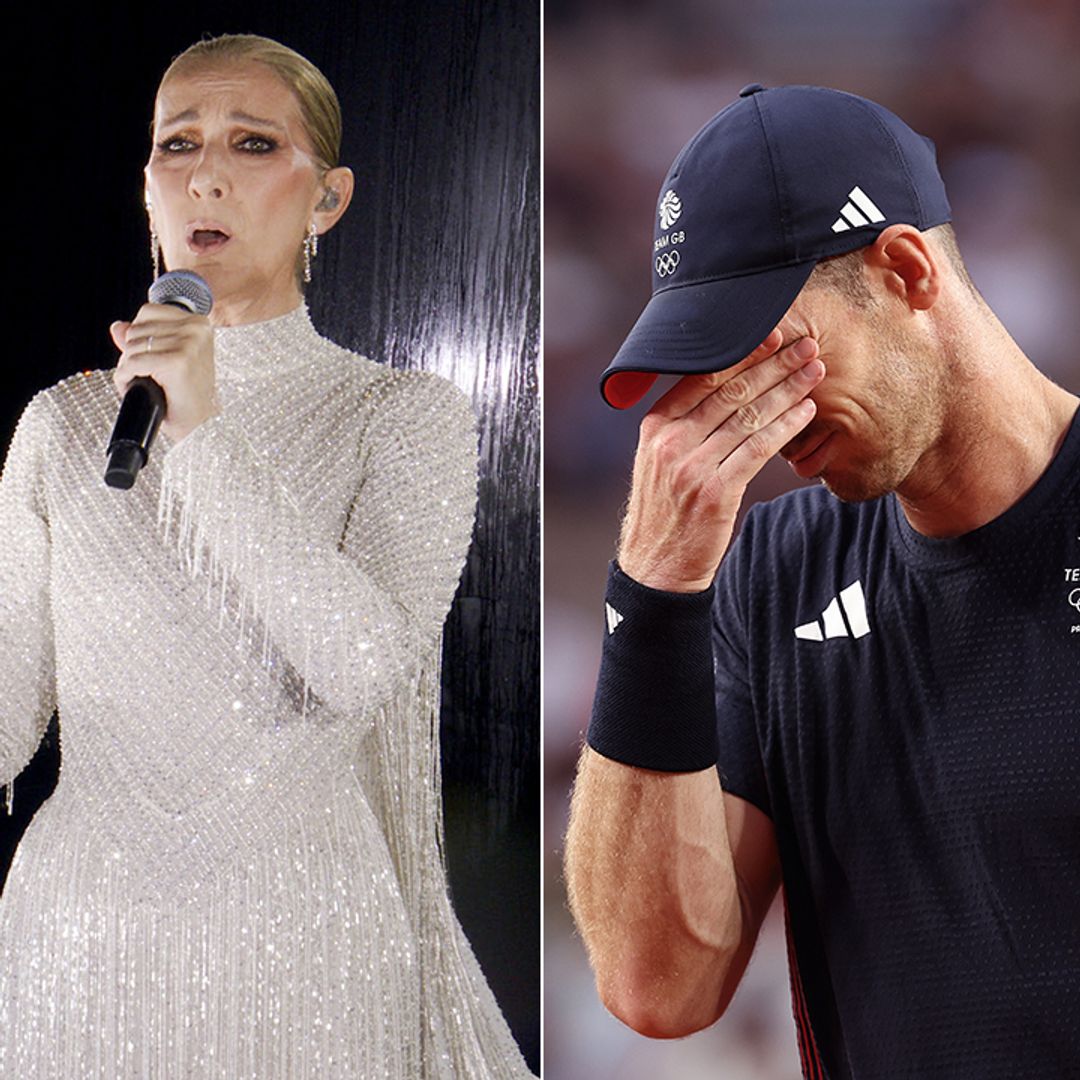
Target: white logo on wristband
[613, 618]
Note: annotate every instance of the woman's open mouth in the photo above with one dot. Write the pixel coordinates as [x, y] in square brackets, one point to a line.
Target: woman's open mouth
[203, 239]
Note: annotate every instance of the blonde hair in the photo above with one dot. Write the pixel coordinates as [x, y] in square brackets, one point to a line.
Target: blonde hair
[320, 110]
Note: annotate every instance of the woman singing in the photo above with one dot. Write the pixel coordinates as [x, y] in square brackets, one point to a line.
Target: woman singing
[239, 872]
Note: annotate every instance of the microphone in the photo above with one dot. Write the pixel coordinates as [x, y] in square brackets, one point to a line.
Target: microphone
[143, 406]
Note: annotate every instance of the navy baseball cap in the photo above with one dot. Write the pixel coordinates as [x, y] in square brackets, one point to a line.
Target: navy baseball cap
[777, 181]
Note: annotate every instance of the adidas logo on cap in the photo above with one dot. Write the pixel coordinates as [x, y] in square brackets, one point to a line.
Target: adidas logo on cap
[858, 210]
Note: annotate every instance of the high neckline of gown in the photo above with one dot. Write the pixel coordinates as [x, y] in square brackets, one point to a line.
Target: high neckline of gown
[265, 349]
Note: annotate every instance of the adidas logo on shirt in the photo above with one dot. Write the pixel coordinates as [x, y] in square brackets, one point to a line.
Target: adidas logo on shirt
[613, 618]
[853, 622]
[858, 210]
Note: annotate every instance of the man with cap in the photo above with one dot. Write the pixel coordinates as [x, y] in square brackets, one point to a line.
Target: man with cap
[873, 698]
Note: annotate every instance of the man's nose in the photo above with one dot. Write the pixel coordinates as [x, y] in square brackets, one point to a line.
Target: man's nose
[209, 175]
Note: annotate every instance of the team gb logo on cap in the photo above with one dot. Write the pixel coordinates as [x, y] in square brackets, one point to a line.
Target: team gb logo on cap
[670, 209]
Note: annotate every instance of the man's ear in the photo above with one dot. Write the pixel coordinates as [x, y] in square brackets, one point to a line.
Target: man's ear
[907, 264]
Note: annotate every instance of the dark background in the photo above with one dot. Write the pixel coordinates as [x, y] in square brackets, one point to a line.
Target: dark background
[435, 266]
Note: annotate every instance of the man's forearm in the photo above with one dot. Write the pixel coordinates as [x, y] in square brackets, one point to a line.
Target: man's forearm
[653, 889]
[649, 861]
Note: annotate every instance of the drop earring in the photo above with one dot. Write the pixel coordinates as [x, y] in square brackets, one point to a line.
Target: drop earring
[155, 245]
[311, 249]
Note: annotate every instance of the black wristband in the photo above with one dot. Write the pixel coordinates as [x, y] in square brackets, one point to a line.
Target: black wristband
[655, 704]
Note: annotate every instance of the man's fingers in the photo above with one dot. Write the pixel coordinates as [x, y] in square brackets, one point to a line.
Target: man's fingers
[740, 466]
[758, 412]
[751, 383]
[691, 390]
[698, 450]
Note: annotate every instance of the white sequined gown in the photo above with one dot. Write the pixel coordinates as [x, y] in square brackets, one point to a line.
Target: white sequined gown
[239, 873]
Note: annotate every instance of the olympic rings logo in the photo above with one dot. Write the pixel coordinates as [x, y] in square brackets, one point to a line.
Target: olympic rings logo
[666, 263]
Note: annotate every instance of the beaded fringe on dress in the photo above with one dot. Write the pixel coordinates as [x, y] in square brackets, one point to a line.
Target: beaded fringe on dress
[240, 873]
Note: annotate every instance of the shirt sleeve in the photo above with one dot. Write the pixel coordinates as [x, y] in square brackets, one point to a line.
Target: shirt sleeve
[741, 769]
[27, 655]
[353, 619]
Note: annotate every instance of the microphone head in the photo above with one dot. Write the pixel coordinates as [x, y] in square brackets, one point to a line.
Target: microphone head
[183, 288]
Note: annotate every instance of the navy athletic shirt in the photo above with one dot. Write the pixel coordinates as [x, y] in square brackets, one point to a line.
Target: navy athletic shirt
[907, 712]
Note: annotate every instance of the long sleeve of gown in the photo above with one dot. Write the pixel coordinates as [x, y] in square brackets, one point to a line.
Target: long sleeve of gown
[26, 636]
[351, 613]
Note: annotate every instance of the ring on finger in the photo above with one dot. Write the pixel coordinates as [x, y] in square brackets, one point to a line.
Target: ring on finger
[150, 344]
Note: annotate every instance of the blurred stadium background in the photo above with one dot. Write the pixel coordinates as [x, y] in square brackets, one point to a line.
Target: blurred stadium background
[996, 85]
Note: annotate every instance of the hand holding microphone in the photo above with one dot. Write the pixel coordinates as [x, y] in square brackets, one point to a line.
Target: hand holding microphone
[165, 373]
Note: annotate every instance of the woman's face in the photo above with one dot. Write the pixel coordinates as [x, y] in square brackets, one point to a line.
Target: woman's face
[232, 186]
